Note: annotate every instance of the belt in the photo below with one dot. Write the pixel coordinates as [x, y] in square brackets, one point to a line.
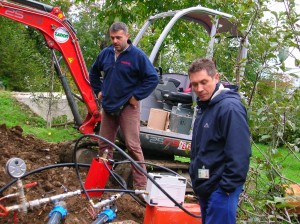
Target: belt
[117, 112]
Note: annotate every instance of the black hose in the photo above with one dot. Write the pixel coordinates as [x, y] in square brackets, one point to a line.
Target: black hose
[111, 190]
[39, 170]
[123, 185]
[111, 144]
[35, 4]
[133, 162]
[155, 165]
[76, 165]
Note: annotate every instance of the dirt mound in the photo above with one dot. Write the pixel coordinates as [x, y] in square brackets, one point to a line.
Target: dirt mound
[37, 154]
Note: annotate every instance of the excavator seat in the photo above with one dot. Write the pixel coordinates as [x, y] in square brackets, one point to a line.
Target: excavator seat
[177, 97]
[169, 94]
[166, 86]
[176, 82]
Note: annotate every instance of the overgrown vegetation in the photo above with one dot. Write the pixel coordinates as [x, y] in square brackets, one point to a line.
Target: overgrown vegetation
[12, 113]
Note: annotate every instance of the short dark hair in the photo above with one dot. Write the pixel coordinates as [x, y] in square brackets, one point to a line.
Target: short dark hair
[203, 64]
[118, 26]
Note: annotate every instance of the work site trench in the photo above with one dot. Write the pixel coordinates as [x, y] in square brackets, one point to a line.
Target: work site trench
[39, 155]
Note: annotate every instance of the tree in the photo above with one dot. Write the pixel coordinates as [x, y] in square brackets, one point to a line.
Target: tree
[16, 71]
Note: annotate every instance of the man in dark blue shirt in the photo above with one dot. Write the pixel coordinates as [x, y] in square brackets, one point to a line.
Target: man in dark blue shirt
[221, 150]
[128, 77]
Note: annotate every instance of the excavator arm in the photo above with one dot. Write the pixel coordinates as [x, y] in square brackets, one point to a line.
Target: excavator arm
[61, 36]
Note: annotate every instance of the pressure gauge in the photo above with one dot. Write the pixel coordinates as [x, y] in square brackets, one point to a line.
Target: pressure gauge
[15, 167]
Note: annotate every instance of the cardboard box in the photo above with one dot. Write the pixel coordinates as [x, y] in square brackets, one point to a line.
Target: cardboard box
[158, 119]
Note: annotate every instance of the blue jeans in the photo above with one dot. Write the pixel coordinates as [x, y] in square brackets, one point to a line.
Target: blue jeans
[220, 207]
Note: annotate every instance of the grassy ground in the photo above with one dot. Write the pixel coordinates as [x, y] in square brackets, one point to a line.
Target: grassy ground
[13, 113]
[286, 162]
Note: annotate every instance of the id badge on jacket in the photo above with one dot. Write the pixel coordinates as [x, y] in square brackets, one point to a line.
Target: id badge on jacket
[203, 173]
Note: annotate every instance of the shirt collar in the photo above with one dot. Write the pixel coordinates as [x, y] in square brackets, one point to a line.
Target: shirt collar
[129, 45]
[127, 48]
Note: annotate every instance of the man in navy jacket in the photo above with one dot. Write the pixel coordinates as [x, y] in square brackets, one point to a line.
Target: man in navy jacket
[221, 149]
[128, 77]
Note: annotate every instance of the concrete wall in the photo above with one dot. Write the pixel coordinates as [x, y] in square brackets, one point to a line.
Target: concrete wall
[47, 105]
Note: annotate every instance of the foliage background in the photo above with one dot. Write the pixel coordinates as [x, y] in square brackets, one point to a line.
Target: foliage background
[269, 93]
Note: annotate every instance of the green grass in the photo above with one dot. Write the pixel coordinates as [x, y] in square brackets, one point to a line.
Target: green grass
[13, 113]
[182, 159]
[285, 161]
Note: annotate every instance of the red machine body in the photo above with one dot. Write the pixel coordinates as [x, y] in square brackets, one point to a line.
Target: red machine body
[59, 35]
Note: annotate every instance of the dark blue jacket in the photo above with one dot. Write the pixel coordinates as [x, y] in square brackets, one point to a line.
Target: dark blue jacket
[132, 74]
[220, 143]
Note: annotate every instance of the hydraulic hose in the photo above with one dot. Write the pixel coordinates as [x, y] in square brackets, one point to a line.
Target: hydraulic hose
[155, 165]
[133, 162]
[40, 170]
[123, 185]
[35, 4]
[77, 165]
[119, 179]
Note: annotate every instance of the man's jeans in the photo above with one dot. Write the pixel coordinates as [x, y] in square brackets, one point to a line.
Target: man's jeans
[220, 207]
[129, 122]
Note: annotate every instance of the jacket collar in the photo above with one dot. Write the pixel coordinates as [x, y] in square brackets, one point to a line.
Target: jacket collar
[204, 104]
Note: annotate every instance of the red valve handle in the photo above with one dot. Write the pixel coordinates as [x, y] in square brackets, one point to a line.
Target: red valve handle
[5, 212]
[33, 184]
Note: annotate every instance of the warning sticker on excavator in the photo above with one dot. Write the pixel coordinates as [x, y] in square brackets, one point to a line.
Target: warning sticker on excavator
[70, 60]
[61, 35]
[183, 145]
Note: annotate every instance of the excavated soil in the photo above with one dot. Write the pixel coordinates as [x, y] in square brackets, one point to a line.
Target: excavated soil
[37, 154]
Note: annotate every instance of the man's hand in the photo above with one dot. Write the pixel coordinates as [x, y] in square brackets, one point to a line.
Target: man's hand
[99, 96]
[133, 102]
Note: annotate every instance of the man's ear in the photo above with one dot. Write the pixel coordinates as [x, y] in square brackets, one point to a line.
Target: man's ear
[217, 76]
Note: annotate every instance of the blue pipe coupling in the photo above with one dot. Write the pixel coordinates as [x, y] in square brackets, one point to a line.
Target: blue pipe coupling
[58, 213]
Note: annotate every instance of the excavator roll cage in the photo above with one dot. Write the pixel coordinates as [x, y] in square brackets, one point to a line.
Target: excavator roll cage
[61, 36]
